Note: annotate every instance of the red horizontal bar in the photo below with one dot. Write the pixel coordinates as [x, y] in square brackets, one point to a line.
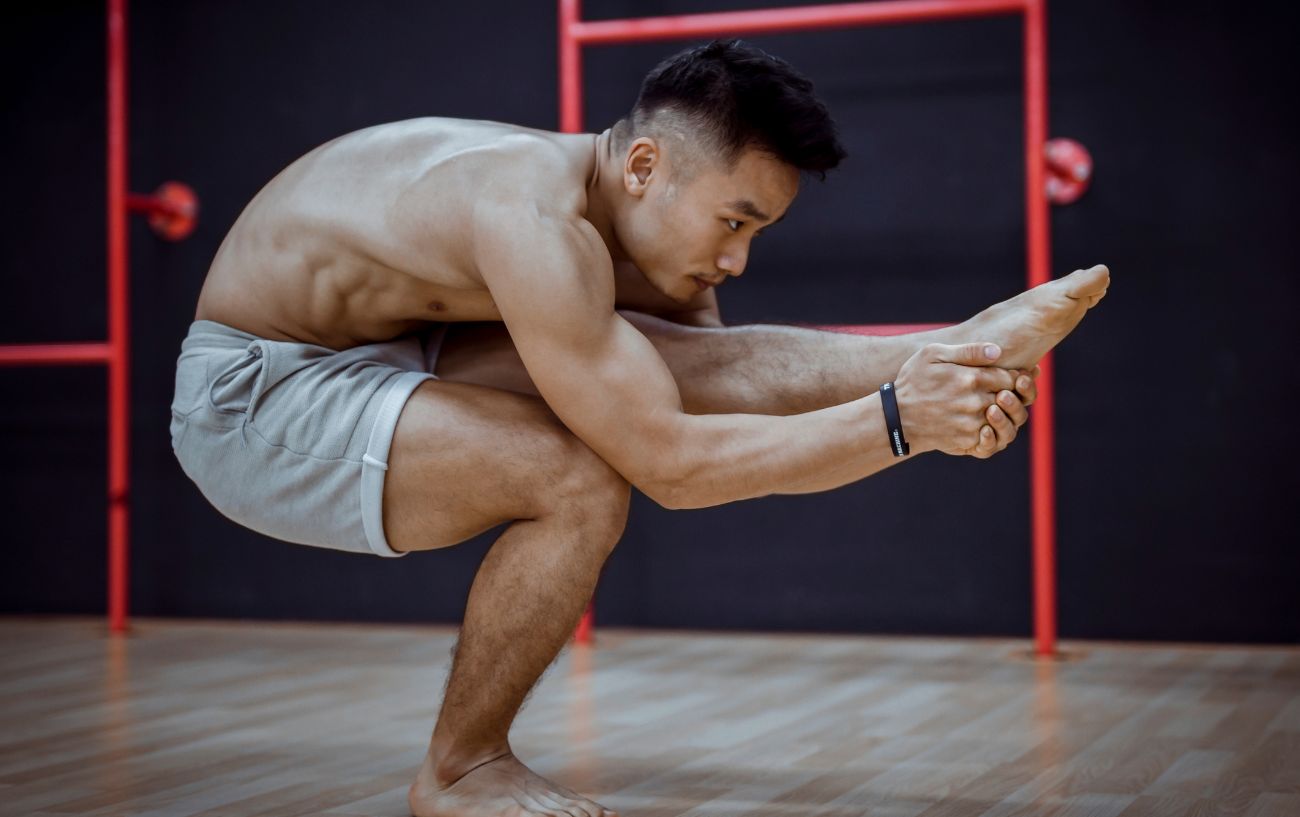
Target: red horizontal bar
[782, 20]
[54, 354]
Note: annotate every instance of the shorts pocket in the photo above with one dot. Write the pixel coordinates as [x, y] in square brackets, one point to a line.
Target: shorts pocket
[311, 403]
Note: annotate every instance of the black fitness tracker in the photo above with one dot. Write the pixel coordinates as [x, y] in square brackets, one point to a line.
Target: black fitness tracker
[893, 423]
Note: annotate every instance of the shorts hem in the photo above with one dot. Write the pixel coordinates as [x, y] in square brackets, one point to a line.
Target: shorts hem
[374, 464]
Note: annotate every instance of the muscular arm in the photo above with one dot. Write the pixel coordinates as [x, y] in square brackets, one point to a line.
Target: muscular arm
[552, 280]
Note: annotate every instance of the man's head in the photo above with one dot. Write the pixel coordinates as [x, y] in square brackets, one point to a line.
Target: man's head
[711, 153]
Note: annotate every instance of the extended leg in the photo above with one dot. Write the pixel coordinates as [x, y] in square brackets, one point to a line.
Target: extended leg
[754, 369]
[774, 369]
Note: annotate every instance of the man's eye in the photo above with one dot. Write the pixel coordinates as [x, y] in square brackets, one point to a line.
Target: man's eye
[734, 224]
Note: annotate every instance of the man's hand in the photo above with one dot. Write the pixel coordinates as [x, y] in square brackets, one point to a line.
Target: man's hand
[954, 399]
[1007, 415]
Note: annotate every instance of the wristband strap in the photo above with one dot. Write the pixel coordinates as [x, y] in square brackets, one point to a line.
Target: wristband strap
[893, 423]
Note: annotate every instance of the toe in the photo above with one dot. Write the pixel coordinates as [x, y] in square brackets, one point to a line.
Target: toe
[582, 806]
[1088, 282]
[593, 809]
[563, 806]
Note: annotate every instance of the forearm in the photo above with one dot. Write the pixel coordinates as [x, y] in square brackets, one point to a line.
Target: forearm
[721, 458]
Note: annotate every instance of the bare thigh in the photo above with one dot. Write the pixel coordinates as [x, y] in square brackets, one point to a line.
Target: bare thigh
[466, 458]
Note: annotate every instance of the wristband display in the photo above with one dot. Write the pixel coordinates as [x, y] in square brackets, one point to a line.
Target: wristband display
[893, 422]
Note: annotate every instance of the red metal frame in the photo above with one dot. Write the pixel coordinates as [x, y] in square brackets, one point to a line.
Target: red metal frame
[115, 353]
[575, 33]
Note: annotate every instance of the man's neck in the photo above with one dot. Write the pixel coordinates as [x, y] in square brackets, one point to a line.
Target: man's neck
[603, 189]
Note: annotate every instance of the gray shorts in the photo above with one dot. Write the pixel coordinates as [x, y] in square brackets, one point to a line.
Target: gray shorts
[291, 439]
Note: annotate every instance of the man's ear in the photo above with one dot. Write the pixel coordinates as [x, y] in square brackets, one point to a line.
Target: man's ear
[642, 160]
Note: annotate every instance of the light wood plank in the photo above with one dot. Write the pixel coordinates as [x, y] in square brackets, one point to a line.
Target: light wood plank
[231, 719]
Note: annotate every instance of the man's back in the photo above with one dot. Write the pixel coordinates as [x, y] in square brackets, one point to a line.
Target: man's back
[367, 237]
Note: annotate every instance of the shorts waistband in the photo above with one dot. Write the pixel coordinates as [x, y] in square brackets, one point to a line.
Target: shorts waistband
[205, 334]
[210, 333]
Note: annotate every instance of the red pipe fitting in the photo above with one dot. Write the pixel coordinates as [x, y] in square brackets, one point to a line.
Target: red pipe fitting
[1069, 169]
[173, 209]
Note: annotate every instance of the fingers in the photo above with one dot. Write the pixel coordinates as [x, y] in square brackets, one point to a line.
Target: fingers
[1013, 408]
[1000, 431]
[1004, 430]
[1027, 386]
[993, 380]
[966, 354]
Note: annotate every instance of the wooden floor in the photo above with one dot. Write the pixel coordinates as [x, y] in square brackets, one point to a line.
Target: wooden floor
[233, 718]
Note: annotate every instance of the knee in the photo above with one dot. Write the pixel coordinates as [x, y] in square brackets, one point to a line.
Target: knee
[586, 490]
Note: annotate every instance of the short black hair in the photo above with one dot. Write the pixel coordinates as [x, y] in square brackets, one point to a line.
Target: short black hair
[736, 96]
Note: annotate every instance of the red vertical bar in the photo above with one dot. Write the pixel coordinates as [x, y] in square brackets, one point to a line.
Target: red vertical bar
[119, 351]
[1041, 431]
[571, 122]
[570, 68]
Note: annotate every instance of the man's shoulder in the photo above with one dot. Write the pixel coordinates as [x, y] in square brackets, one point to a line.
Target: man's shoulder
[479, 177]
[529, 171]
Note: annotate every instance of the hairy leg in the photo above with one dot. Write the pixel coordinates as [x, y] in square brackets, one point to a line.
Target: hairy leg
[526, 600]
[464, 460]
[751, 369]
[777, 369]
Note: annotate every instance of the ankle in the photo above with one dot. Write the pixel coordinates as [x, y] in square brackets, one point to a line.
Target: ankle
[445, 764]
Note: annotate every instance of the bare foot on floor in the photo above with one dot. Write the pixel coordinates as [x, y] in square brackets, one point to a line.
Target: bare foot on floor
[1030, 324]
[502, 787]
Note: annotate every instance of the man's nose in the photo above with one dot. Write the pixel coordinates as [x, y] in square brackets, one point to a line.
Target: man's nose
[731, 264]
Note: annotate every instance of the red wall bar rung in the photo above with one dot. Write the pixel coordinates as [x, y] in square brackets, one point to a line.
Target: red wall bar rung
[784, 20]
[55, 354]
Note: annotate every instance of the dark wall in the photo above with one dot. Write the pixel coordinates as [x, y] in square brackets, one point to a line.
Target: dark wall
[1176, 439]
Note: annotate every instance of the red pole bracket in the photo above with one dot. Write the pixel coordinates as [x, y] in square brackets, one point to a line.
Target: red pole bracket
[173, 209]
[1069, 170]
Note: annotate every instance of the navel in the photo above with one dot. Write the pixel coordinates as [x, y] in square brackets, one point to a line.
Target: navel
[437, 306]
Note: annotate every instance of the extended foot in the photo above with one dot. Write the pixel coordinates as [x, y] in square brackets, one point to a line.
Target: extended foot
[1030, 324]
[502, 787]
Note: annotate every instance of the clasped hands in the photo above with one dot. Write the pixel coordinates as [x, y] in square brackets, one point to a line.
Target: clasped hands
[955, 399]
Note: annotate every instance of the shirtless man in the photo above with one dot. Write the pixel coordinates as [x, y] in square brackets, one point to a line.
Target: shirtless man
[587, 357]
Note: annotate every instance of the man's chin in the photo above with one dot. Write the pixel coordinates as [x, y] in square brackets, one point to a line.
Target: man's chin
[686, 286]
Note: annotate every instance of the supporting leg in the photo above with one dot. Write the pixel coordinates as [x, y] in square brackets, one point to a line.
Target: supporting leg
[526, 599]
[466, 459]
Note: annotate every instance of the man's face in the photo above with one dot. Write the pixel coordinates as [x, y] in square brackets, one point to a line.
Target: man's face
[687, 234]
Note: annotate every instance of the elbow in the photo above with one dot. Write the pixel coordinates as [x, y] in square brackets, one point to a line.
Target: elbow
[664, 487]
[664, 495]
[676, 493]
[670, 473]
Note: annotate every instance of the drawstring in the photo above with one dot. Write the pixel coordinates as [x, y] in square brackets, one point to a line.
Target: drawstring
[254, 351]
